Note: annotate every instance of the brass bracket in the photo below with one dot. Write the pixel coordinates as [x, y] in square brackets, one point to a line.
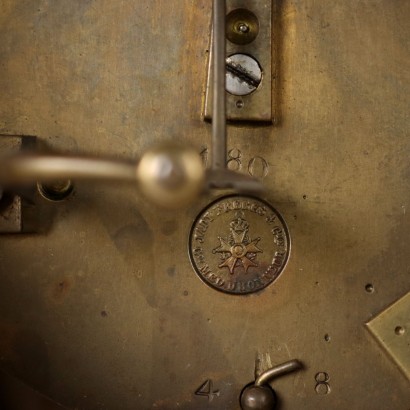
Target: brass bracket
[391, 328]
[248, 64]
[17, 210]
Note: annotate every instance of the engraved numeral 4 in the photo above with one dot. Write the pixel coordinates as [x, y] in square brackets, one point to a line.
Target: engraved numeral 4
[206, 389]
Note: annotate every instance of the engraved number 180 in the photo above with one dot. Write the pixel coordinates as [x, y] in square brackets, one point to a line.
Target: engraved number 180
[257, 166]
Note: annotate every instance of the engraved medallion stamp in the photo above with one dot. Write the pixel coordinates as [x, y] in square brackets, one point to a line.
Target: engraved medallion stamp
[239, 244]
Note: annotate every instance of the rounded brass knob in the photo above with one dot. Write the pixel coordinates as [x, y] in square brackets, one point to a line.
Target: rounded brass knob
[171, 176]
[258, 398]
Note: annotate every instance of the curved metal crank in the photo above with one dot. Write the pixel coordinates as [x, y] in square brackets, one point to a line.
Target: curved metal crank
[260, 396]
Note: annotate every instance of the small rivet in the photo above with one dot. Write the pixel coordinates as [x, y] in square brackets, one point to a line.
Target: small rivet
[243, 28]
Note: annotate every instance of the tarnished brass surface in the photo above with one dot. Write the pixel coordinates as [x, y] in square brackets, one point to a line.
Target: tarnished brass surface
[104, 310]
[391, 328]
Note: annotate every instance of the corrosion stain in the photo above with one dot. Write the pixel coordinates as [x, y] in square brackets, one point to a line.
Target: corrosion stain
[61, 289]
[171, 271]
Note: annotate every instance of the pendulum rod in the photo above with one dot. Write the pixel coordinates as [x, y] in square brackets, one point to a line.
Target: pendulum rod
[219, 98]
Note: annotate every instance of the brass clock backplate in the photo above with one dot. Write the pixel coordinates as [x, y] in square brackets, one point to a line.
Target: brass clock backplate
[103, 309]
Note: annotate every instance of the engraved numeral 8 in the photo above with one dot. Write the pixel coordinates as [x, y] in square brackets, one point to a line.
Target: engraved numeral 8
[234, 162]
[322, 386]
[257, 166]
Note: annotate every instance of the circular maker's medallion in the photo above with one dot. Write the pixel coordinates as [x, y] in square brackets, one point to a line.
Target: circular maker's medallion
[239, 244]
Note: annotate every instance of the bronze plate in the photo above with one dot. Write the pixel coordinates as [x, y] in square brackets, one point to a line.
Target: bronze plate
[103, 311]
[239, 244]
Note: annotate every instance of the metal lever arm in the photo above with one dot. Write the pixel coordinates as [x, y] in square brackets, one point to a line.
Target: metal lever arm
[31, 168]
[277, 371]
[168, 175]
[219, 177]
[219, 96]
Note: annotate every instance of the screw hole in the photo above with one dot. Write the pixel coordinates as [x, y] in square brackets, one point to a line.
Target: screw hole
[327, 337]
[369, 288]
[239, 104]
[399, 330]
[55, 191]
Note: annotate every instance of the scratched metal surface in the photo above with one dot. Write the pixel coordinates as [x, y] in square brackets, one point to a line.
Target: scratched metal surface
[104, 311]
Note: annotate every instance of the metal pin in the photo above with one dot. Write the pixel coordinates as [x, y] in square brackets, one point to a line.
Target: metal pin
[243, 28]
[219, 98]
[276, 371]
